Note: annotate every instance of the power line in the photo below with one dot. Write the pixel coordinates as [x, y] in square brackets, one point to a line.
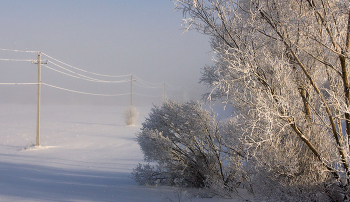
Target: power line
[143, 86]
[18, 83]
[19, 50]
[175, 88]
[17, 60]
[148, 86]
[147, 95]
[148, 83]
[82, 76]
[80, 92]
[106, 95]
[140, 82]
[85, 70]
[155, 85]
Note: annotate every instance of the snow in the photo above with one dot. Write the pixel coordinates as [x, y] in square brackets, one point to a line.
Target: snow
[87, 154]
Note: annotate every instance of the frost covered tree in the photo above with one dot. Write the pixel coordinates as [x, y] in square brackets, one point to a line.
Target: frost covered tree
[185, 142]
[283, 66]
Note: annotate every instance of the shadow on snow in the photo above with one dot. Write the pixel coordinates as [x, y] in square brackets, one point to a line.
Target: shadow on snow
[33, 182]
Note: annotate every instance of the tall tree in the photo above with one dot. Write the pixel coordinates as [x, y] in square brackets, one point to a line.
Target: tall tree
[283, 65]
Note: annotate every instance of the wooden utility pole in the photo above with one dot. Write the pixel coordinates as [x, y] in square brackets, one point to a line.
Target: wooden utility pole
[38, 103]
[131, 93]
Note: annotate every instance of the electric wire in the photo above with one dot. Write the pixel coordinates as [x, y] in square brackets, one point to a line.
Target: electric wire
[3, 49]
[175, 88]
[106, 95]
[140, 82]
[18, 83]
[142, 86]
[72, 71]
[17, 60]
[148, 83]
[147, 95]
[80, 92]
[156, 85]
[147, 86]
[84, 70]
[82, 76]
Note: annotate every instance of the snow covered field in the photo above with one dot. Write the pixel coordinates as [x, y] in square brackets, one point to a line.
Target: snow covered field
[87, 154]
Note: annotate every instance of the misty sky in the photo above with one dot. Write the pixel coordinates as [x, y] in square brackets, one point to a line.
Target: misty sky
[114, 37]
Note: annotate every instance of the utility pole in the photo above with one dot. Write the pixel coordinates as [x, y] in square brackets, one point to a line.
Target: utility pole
[131, 93]
[38, 103]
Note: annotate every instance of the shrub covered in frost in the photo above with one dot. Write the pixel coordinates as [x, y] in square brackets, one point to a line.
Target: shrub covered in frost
[185, 141]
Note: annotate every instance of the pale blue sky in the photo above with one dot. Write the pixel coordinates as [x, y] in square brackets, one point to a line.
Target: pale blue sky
[141, 37]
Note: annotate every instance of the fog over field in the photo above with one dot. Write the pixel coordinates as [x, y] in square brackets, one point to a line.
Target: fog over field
[143, 38]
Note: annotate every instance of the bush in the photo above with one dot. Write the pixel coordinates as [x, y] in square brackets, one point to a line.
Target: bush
[185, 141]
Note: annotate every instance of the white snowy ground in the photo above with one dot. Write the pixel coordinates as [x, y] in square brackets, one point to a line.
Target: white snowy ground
[87, 154]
